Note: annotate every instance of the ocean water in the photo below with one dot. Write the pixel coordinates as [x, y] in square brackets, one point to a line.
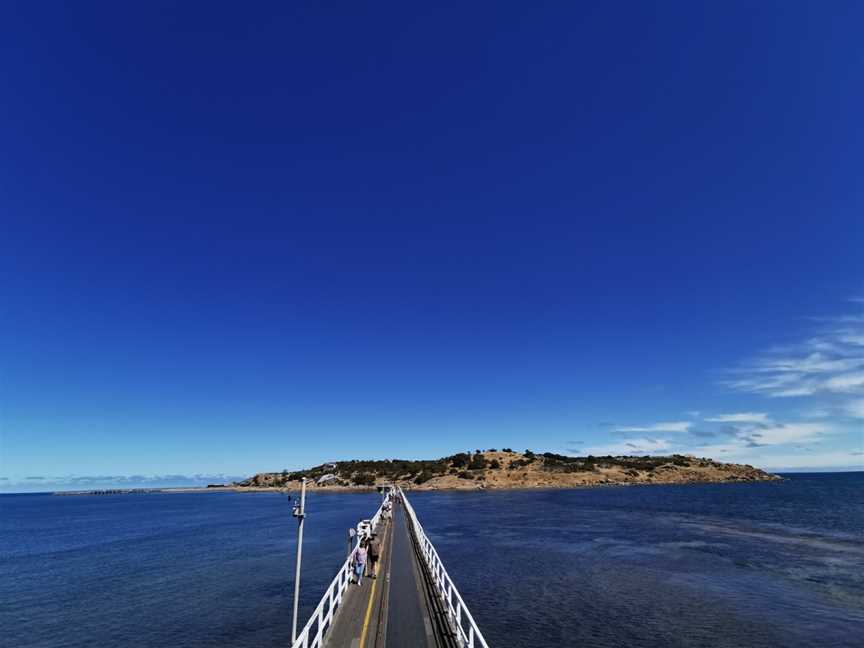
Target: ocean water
[773, 564]
[762, 565]
[194, 569]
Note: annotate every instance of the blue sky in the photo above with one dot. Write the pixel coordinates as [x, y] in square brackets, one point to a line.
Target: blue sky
[246, 239]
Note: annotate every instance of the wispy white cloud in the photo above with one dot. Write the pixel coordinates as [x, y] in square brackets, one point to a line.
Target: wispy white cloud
[639, 447]
[829, 363]
[740, 443]
[788, 459]
[778, 445]
[756, 435]
[854, 408]
[720, 451]
[827, 367]
[781, 433]
[750, 438]
[848, 383]
[852, 338]
[667, 426]
[836, 459]
[741, 417]
[814, 363]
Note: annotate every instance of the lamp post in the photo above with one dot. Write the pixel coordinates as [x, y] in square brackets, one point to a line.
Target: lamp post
[351, 533]
[300, 513]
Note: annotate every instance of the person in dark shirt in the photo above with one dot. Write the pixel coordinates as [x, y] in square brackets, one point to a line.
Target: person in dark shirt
[374, 555]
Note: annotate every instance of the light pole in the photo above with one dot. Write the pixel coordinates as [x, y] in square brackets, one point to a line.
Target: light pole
[351, 533]
[300, 513]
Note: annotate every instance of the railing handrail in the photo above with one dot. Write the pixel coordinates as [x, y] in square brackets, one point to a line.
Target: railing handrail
[457, 611]
[320, 620]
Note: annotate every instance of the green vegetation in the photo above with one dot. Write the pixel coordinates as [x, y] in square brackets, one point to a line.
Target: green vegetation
[460, 460]
[464, 466]
[364, 479]
[563, 463]
[367, 472]
[423, 477]
[478, 462]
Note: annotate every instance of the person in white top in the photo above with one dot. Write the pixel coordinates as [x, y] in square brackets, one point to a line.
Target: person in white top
[360, 560]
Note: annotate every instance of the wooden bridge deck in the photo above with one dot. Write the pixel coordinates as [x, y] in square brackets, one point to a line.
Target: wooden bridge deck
[396, 610]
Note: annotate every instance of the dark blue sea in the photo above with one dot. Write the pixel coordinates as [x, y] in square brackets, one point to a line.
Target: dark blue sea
[766, 564]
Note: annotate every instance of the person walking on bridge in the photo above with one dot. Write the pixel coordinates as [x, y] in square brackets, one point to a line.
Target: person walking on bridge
[360, 561]
[374, 555]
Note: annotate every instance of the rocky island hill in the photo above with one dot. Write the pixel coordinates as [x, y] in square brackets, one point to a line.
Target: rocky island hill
[505, 469]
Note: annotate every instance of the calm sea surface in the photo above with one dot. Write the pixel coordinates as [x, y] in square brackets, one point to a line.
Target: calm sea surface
[716, 565]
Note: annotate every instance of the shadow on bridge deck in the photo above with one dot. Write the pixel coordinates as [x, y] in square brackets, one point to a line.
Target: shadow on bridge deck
[399, 608]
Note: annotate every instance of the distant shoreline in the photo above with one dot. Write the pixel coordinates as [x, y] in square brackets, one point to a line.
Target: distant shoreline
[373, 489]
[294, 486]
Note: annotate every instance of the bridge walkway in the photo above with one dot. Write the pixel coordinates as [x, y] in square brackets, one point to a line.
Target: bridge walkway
[396, 610]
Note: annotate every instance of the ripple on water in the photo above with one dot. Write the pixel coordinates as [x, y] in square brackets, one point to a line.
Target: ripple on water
[759, 565]
[657, 566]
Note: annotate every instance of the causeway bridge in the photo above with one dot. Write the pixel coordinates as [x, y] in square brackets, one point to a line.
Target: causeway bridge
[412, 603]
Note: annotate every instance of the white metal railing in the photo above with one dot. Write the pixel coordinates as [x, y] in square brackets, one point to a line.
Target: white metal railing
[312, 635]
[467, 632]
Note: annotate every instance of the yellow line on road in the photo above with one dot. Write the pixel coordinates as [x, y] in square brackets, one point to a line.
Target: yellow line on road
[368, 612]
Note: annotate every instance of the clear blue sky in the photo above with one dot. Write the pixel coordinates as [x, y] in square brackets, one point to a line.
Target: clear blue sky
[238, 238]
